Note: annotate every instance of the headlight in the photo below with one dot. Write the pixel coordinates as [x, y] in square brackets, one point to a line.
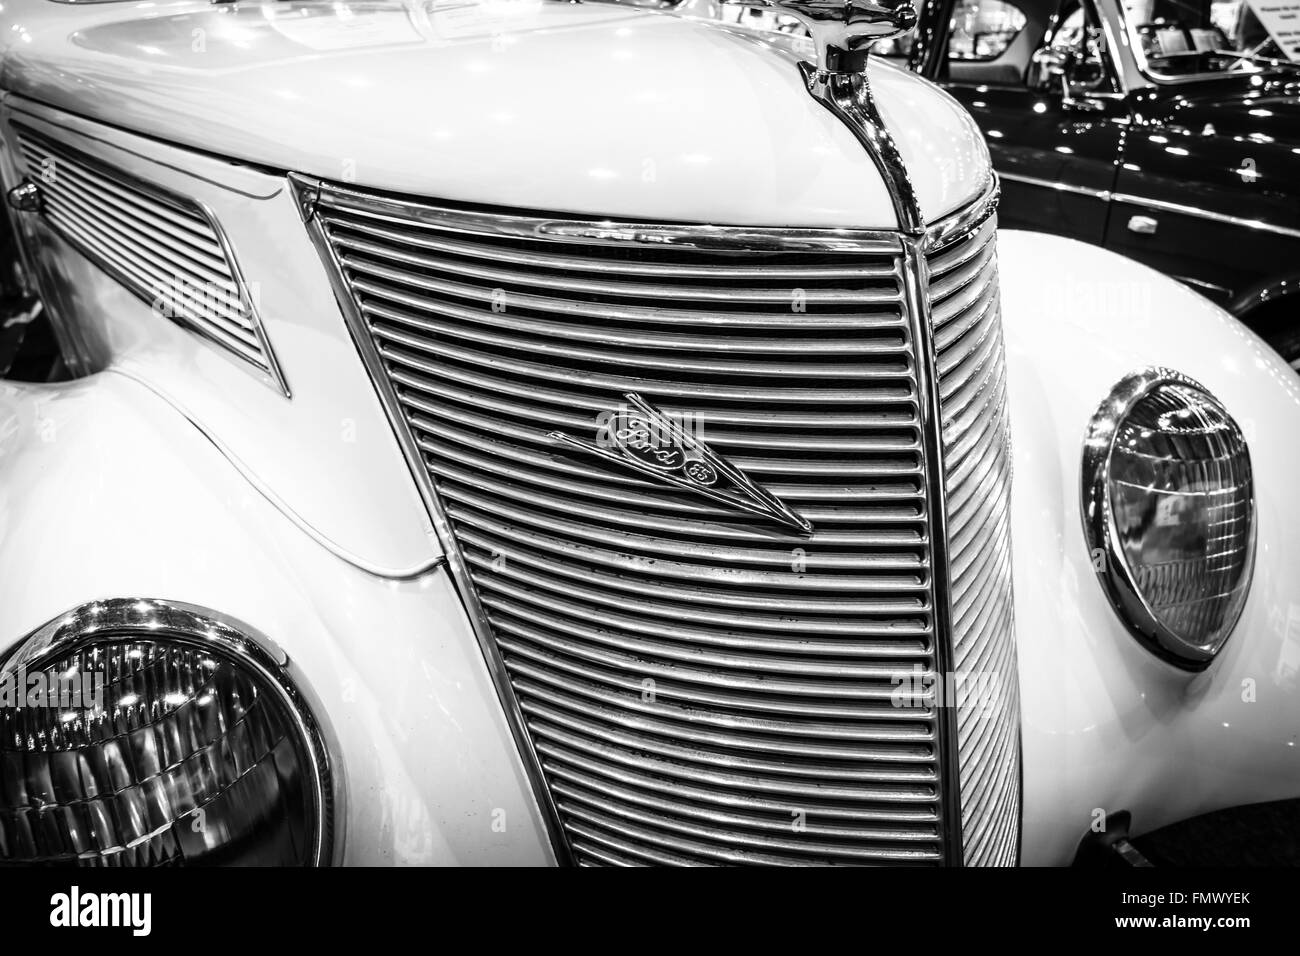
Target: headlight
[1168, 511]
[143, 733]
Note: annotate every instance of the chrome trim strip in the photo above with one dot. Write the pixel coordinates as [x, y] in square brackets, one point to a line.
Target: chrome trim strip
[189, 623]
[80, 127]
[255, 317]
[1095, 511]
[278, 503]
[1119, 44]
[592, 231]
[1188, 280]
[1104, 195]
[848, 96]
[1111, 59]
[966, 219]
[1199, 213]
[916, 282]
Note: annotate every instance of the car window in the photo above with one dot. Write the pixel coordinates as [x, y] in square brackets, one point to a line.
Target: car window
[994, 43]
[982, 30]
[1069, 35]
[1193, 38]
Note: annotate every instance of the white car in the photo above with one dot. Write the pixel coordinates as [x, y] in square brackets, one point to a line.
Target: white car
[533, 432]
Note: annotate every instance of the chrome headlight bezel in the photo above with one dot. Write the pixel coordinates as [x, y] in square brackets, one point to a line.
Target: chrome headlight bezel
[1108, 560]
[186, 625]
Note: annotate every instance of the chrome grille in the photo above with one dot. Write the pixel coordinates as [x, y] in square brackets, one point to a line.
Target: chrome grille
[163, 248]
[972, 382]
[696, 685]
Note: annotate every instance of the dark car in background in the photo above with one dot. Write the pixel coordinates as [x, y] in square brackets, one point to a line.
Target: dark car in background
[1166, 130]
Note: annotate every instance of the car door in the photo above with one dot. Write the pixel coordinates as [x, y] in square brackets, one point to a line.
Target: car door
[1054, 139]
[1207, 194]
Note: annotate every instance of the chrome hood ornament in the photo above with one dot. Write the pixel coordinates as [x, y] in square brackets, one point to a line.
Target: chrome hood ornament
[843, 30]
[647, 440]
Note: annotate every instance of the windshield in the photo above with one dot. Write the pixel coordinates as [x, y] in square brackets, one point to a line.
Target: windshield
[1193, 38]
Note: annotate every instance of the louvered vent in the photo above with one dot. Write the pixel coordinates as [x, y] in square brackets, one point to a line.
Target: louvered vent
[162, 247]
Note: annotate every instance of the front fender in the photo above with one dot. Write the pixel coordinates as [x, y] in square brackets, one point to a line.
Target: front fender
[1106, 726]
[106, 491]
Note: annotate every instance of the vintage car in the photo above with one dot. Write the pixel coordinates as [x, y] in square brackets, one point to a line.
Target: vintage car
[532, 433]
[1167, 131]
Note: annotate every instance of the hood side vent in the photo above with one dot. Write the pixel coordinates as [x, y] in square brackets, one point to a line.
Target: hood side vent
[164, 248]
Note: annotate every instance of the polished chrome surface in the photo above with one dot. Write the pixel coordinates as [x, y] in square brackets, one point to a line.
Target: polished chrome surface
[1059, 185]
[692, 685]
[1143, 225]
[645, 439]
[964, 313]
[1156, 204]
[155, 619]
[25, 197]
[1208, 477]
[848, 96]
[596, 232]
[165, 249]
[843, 30]
[1185, 210]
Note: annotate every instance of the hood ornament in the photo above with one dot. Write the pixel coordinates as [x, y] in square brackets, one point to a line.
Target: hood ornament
[646, 440]
[843, 30]
[842, 33]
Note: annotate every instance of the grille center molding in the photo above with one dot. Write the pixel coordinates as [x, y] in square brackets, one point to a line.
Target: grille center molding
[651, 442]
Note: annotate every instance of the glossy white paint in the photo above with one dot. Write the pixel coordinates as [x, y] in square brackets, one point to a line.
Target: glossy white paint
[1106, 725]
[662, 117]
[105, 491]
[327, 457]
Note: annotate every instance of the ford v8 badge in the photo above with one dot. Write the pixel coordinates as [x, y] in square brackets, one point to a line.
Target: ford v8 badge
[645, 439]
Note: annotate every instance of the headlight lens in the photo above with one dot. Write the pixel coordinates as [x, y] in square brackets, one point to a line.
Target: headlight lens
[140, 733]
[1168, 503]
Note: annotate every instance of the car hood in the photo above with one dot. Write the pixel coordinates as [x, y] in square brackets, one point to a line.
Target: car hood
[582, 108]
